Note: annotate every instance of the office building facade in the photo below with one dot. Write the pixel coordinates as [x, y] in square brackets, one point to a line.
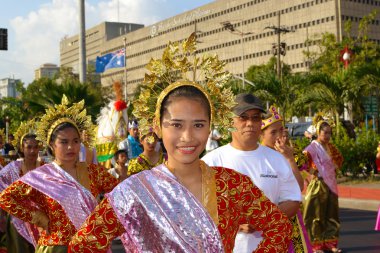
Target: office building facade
[251, 37]
[8, 87]
[47, 70]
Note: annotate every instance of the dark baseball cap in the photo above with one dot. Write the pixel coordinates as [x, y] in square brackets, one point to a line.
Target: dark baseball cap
[245, 102]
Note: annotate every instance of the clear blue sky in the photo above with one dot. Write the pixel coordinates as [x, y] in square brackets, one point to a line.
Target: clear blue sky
[35, 27]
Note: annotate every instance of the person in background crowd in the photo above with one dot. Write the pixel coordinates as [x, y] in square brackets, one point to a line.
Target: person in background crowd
[8, 147]
[120, 171]
[57, 197]
[131, 143]
[87, 154]
[267, 168]
[213, 140]
[149, 158]
[2, 152]
[321, 208]
[275, 137]
[21, 237]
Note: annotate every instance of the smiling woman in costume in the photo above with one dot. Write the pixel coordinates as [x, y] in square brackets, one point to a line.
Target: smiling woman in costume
[183, 205]
[57, 197]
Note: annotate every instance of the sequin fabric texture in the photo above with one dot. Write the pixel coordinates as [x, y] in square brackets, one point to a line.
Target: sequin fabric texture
[238, 202]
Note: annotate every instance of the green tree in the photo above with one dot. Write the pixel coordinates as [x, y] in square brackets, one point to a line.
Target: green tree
[15, 109]
[272, 90]
[349, 85]
[50, 93]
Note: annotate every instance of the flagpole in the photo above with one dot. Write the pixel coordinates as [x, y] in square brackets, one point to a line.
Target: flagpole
[125, 69]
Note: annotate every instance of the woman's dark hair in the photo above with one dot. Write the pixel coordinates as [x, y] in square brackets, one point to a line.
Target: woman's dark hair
[187, 92]
[21, 145]
[54, 134]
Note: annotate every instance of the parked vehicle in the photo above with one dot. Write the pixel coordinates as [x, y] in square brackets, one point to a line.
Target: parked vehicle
[297, 130]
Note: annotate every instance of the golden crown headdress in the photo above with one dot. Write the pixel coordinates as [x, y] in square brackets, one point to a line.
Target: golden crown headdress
[172, 71]
[275, 117]
[25, 128]
[61, 113]
[320, 118]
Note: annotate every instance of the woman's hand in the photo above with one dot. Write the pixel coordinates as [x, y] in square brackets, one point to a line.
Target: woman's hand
[284, 149]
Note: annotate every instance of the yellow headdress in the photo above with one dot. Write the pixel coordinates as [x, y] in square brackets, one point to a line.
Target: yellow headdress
[170, 72]
[61, 113]
[318, 119]
[25, 128]
[272, 119]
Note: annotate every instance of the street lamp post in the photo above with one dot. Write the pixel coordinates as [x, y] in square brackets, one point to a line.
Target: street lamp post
[229, 26]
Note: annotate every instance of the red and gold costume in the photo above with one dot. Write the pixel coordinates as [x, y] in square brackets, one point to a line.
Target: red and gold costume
[22, 200]
[237, 201]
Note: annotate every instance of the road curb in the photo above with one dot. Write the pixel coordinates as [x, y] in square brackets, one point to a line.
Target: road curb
[362, 197]
[360, 204]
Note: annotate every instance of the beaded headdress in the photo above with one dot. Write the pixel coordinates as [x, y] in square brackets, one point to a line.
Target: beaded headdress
[272, 119]
[25, 128]
[173, 71]
[62, 113]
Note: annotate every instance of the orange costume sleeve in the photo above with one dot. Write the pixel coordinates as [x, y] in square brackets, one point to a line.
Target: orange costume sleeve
[240, 202]
[265, 216]
[98, 231]
[15, 200]
[21, 200]
[101, 180]
[336, 156]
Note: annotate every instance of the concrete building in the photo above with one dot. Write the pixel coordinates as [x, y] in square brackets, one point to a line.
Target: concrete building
[8, 87]
[48, 70]
[254, 22]
[96, 38]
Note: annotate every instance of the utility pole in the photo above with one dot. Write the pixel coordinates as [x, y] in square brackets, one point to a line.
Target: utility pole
[229, 26]
[82, 43]
[280, 48]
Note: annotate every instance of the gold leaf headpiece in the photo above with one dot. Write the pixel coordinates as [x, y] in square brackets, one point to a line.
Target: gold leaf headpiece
[75, 114]
[272, 119]
[318, 119]
[25, 128]
[173, 71]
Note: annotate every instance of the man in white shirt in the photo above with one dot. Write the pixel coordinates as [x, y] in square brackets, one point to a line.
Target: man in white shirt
[267, 168]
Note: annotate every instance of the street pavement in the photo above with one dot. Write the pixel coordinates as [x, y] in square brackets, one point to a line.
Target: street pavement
[357, 233]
